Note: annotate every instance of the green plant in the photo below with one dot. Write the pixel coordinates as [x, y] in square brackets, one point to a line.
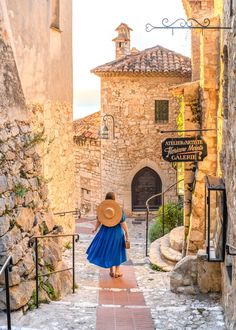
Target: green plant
[157, 268]
[35, 139]
[20, 190]
[68, 246]
[173, 217]
[47, 286]
[180, 117]
[32, 301]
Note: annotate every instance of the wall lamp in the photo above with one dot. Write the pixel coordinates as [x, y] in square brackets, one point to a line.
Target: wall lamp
[105, 127]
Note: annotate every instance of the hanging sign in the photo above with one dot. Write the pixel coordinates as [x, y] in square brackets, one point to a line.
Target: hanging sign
[186, 149]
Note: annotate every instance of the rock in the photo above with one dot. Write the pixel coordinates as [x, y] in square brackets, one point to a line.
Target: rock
[10, 155]
[10, 202]
[34, 183]
[2, 205]
[181, 276]
[14, 277]
[19, 295]
[28, 263]
[11, 238]
[29, 197]
[15, 131]
[3, 184]
[17, 253]
[61, 282]
[25, 219]
[48, 221]
[52, 254]
[4, 225]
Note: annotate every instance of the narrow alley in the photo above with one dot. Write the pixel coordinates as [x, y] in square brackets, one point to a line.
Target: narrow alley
[140, 300]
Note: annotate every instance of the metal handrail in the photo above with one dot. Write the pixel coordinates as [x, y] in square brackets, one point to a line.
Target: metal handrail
[163, 210]
[6, 268]
[74, 212]
[57, 271]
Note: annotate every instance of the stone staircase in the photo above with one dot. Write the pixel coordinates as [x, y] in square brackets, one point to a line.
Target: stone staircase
[166, 251]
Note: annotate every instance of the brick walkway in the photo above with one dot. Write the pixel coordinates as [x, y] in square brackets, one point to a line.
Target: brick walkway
[119, 307]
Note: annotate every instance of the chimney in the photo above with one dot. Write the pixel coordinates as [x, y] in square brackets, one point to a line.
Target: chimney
[122, 40]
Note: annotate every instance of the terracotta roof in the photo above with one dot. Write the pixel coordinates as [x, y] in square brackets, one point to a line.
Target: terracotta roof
[155, 60]
[87, 127]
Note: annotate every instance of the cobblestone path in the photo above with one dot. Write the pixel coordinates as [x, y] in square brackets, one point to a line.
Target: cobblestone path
[79, 311]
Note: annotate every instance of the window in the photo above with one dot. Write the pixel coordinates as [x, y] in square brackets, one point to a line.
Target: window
[55, 14]
[161, 111]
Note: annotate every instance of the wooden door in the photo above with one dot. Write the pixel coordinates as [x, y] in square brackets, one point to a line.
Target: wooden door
[145, 184]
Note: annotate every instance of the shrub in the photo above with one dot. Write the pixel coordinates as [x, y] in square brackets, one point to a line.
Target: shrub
[173, 217]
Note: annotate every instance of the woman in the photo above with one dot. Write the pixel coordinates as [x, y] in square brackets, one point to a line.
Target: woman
[107, 249]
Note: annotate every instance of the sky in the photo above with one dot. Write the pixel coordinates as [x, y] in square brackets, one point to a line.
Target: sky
[94, 24]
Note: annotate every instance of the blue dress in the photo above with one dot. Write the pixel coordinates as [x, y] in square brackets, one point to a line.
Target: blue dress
[108, 246]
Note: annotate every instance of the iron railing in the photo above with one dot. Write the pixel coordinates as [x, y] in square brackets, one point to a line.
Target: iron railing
[163, 210]
[6, 268]
[56, 271]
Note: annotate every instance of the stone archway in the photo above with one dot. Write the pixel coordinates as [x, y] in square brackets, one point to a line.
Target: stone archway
[145, 184]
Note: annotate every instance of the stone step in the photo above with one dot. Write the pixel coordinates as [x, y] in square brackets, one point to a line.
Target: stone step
[167, 252]
[177, 238]
[157, 259]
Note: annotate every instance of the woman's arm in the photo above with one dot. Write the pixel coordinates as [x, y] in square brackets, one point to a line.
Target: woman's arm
[125, 227]
[97, 225]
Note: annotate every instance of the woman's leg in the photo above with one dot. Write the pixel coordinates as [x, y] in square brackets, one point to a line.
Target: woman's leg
[112, 271]
[118, 272]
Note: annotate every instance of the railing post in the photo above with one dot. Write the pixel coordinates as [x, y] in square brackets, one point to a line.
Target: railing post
[37, 272]
[163, 214]
[8, 298]
[73, 263]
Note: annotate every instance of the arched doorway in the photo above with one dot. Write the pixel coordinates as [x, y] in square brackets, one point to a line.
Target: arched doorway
[145, 184]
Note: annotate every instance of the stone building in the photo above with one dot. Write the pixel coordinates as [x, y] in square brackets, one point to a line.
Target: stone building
[88, 162]
[136, 105]
[42, 46]
[228, 155]
[209, 105]
[31, 50]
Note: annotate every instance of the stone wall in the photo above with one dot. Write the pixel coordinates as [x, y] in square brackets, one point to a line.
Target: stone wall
[88, 175]
[208, 104]
[24, 206]
[194, 274]
[228, 157]
[44, 60]
[137, 143]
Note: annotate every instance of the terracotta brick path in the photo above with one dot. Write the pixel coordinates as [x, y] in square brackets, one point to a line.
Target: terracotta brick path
[119, 307]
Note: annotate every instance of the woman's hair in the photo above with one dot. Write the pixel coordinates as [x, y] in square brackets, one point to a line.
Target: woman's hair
[110, 195]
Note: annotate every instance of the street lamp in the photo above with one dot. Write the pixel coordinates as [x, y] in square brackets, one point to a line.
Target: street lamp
[105, 130]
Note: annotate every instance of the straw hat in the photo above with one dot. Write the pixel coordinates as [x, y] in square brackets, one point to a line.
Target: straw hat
[109, 213]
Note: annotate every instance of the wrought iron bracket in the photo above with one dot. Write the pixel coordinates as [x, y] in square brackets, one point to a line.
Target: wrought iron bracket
[182, 23]
[228, 247]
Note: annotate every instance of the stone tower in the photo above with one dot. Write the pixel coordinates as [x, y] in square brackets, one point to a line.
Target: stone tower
[122, 40]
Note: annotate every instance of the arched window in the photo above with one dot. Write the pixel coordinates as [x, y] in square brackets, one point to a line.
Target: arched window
[145, 184]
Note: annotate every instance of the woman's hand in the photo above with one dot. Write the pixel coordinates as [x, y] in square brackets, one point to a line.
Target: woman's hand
[94, 231]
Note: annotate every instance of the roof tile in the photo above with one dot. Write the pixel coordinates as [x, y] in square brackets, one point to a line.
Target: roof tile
[152, 60]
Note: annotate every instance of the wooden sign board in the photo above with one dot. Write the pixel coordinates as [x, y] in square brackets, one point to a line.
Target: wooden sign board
[188, 149]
